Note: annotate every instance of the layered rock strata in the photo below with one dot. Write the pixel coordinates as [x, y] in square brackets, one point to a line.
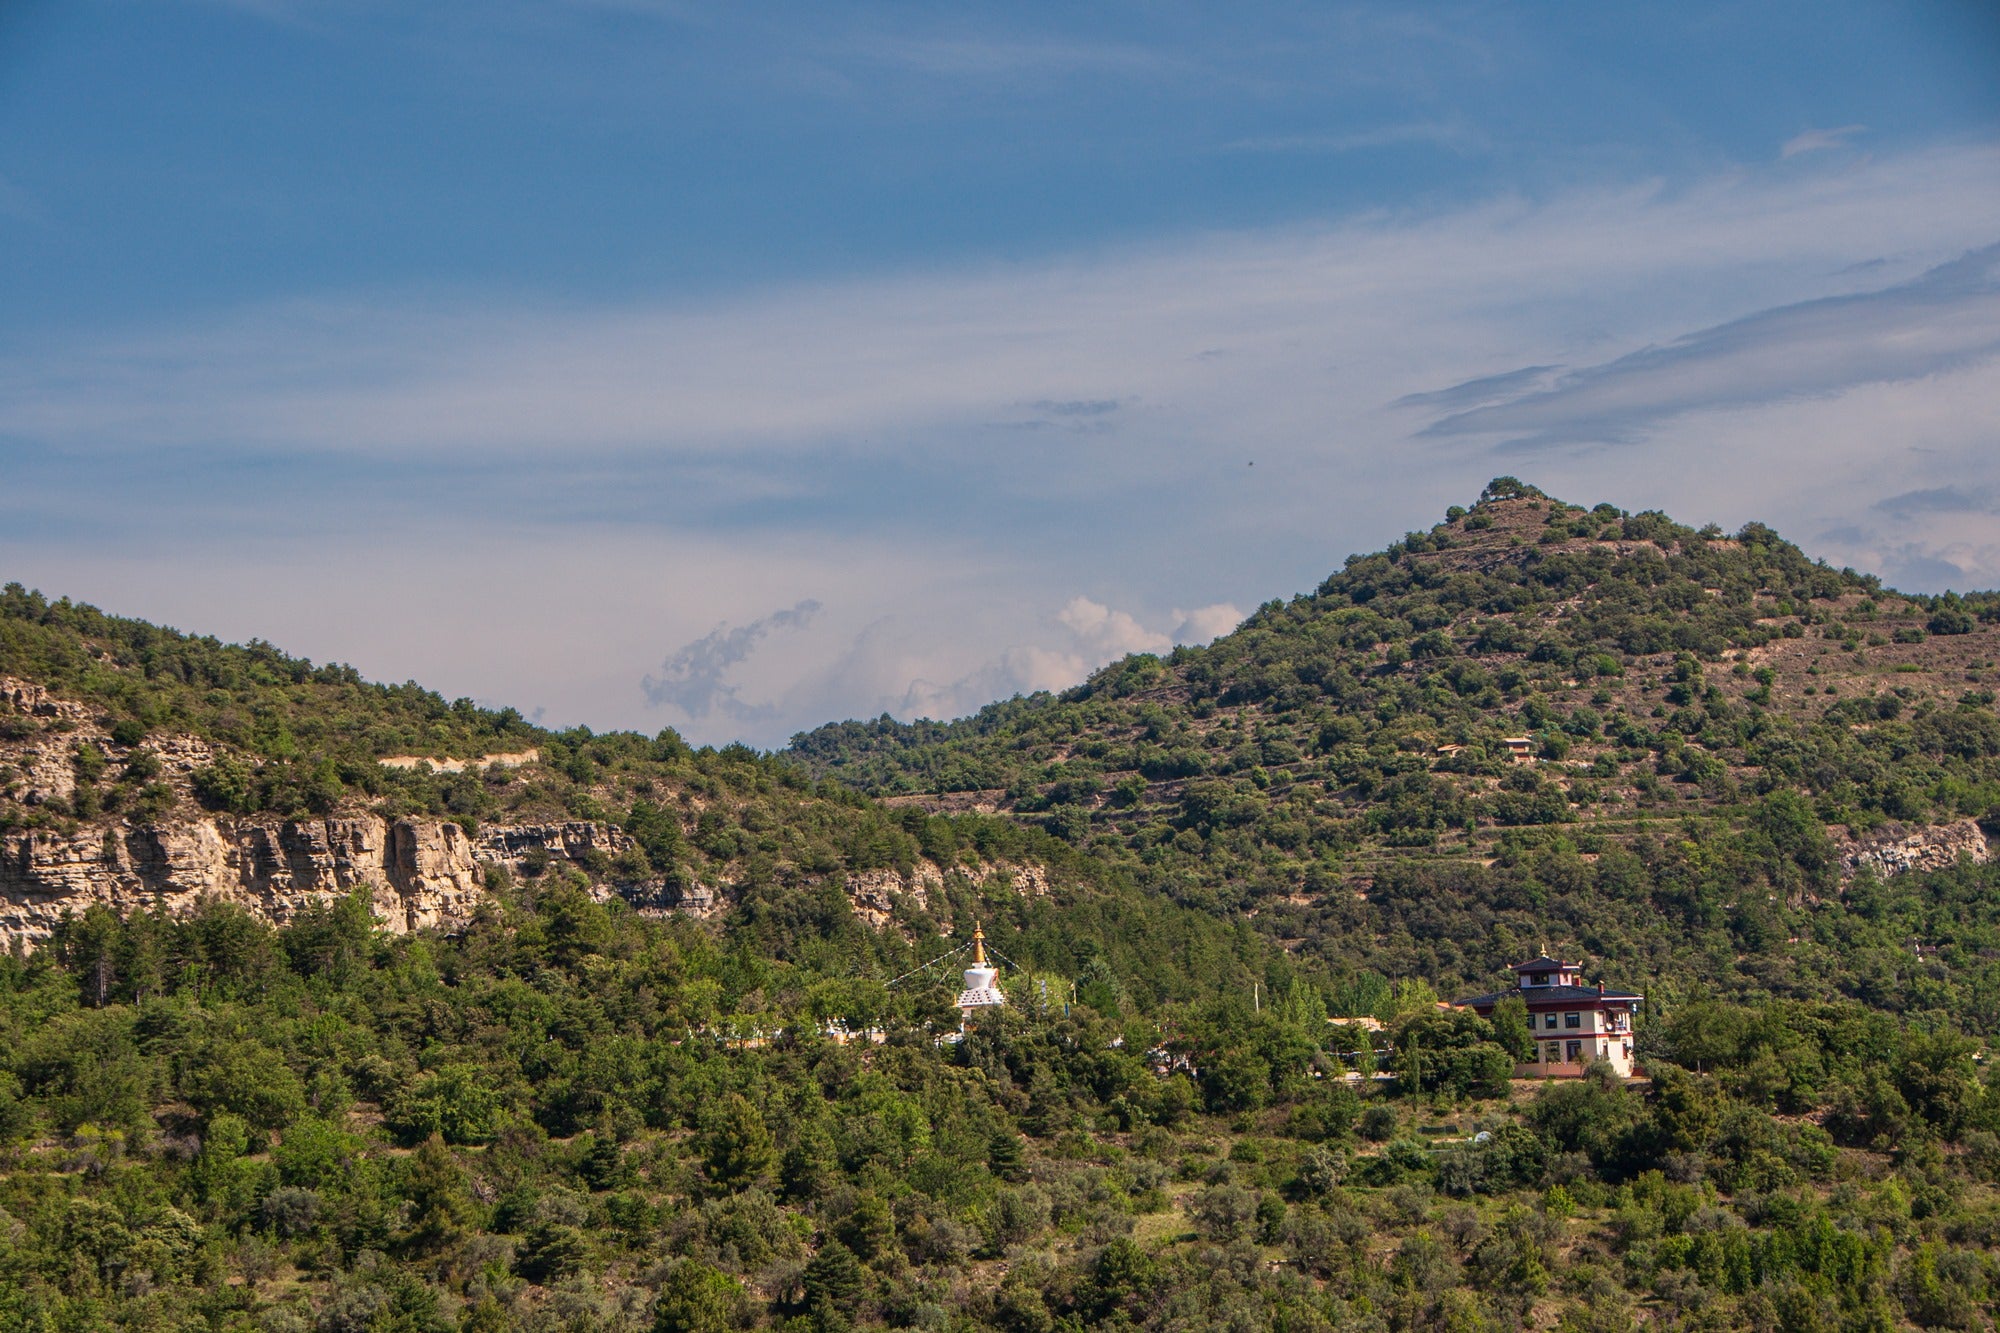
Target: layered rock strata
[418, 872]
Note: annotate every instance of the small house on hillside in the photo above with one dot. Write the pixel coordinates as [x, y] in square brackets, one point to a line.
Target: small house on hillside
[1573, 1024]
[1520, 749]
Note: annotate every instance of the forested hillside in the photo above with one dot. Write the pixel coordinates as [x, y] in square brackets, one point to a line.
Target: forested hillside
[1711, 724]
[132, 725]
[574, 1110]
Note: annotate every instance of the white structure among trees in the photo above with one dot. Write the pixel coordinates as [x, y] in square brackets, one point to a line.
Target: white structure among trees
[980, 991]
[1572, 1024]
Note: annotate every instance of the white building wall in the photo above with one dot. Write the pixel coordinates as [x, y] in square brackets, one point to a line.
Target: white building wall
[1599, 1034]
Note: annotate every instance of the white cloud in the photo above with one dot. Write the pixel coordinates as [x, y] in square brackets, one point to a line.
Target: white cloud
[1815, 141]
[1099, 629]
[1205, 623]
[894, 667]
[1947, 317]
[934, 457]
[694, 678]
[1309, 319]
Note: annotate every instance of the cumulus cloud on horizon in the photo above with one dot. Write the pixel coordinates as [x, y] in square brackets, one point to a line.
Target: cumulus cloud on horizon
[896, 670]
[693, 676]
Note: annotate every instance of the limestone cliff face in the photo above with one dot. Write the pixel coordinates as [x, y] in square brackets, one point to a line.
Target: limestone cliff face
[873, 893]
[518, 845]
[1896, 849]
[419, 872]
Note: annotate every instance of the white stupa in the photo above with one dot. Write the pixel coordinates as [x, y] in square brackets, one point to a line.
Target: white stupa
[980, 992]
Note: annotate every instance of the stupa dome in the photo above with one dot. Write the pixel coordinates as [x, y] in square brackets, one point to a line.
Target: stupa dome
[980, 991]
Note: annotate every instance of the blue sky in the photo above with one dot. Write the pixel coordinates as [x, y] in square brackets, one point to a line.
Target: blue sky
[736, 368]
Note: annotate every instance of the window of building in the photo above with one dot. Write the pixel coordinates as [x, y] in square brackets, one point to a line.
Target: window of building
[1572, 1020]
[1575, 1052]
[1549, 1022]
[1539, 979]
[1555, 1054]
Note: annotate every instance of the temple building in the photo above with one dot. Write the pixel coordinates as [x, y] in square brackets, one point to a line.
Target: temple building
[1573, 1024]
[980, 991]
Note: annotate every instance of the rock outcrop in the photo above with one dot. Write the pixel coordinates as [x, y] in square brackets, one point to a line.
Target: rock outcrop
[527, 847]
[38, 762]
[1896, 849]
[509, 759]
[22, 696]
[873, 894]
[419, 873]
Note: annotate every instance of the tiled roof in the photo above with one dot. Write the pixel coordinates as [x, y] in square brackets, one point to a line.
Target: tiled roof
[1544, 964]
[1539, 995]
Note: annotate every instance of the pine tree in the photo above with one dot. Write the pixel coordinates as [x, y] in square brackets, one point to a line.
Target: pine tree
[1003, 1156]
[441, 1206]
[735, 1146]
[603, 1165]
[834, 1283]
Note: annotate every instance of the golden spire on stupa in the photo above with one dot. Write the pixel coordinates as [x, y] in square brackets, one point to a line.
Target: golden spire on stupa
[980, 991]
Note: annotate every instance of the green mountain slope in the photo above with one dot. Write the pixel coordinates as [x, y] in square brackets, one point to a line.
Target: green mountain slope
[567, 1113]
[1709, 722]
[793, 862]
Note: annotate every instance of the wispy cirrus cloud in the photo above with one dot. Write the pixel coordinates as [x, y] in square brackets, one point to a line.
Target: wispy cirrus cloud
[1218, 419]
[1255, 328]
[1818, 141]
[1078, 407]
[1941, 500]
[1943, 319]
[1485, 389]
[1453, 135]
